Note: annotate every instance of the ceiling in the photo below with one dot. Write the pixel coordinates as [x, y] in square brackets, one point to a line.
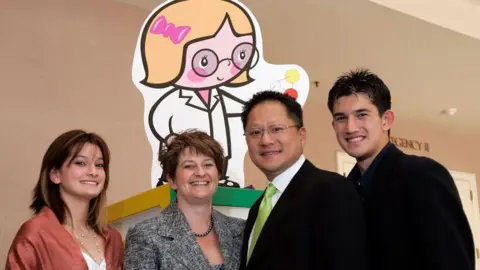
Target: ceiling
[429, 60]
[462, 16]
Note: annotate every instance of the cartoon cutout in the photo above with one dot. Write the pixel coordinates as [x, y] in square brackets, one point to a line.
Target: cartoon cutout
[196, 62]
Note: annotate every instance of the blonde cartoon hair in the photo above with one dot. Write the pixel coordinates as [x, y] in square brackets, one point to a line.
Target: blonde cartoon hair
[163, 59]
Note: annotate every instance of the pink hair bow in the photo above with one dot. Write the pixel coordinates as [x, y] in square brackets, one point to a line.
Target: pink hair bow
[162, 27]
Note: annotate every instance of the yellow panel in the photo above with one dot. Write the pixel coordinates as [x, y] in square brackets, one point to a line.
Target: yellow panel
[159, 196]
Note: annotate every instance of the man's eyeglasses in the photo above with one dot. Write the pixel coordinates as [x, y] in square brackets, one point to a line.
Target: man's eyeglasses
[273, 130]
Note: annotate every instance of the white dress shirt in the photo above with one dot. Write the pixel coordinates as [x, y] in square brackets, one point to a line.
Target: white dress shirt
[281, 182]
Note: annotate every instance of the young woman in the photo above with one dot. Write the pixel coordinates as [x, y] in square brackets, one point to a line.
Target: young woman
[68, 230]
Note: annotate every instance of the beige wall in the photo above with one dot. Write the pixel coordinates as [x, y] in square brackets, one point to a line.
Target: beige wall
[66, 64]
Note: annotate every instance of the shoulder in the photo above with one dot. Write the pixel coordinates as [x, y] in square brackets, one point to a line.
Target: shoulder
[112, 233]
[24, 250]
[147, 226]
[319, 177]
[424, 166]
[327, 182]
[310, 171]
[31, 235]
[171, 95]
[327, 175]
[33, 227]
[234, 224]
[419, 162]
[228, 95]
[325, 192]
[425, 172]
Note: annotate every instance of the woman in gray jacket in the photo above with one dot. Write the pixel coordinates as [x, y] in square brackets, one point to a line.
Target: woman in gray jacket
[189, 234]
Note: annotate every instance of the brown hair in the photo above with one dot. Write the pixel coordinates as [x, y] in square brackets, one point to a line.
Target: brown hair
[163, 60]
[47, 193]
[196, 141]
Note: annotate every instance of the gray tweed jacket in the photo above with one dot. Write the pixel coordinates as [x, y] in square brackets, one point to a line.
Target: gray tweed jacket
[167, 242]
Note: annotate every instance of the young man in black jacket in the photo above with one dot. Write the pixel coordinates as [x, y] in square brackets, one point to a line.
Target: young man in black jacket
[415, 219]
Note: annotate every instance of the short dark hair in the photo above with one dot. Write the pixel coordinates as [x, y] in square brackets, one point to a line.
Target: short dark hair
[198, 142]
[63, 149]
[361, 81]
[294, 109]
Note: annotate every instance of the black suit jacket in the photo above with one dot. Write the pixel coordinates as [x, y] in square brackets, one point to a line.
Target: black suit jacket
[414, 215]
[316, 224]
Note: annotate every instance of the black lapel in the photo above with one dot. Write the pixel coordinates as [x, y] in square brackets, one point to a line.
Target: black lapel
[252, 216]
[281, 210]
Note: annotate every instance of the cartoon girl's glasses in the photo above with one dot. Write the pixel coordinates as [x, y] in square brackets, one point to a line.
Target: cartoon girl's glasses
[205, 62]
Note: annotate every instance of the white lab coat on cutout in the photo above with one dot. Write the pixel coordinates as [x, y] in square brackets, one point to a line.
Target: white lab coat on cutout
[181, 109]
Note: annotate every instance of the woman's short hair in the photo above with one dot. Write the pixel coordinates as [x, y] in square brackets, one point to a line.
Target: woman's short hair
[47, 194]
[197, 142]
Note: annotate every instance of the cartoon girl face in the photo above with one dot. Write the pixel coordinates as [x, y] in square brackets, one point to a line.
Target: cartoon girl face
[217, 60]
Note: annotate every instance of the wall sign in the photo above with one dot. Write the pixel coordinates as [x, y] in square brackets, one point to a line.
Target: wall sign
[410, 144]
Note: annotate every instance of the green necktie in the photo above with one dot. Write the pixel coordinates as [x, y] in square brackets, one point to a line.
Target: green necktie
[263, 213]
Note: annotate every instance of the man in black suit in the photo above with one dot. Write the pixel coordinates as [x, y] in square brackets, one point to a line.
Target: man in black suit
[414, 215]
[307, 218]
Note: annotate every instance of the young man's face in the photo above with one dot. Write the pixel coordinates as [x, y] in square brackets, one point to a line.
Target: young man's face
[360, 130]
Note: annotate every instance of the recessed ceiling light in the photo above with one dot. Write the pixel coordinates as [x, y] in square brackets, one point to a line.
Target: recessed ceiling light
[450, 111]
